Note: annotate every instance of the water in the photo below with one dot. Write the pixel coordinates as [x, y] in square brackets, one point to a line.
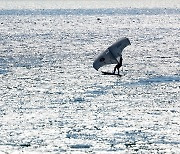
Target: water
[53, 101]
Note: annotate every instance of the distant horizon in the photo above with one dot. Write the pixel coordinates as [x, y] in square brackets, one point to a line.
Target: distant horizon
[96, 11]
[74, 4]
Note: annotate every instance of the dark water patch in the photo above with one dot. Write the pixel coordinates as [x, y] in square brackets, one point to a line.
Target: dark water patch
[3, 71]
[156, 80]
[16, 145]
[80, 146]
[99, 89]
[161, 79]
[4, 65]
[27, 62]
[109, 11]
[25, 145]
[96, 92]
[130, 144]
[78, 135]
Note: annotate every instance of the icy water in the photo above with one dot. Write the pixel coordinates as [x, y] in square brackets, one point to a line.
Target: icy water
[53, 101]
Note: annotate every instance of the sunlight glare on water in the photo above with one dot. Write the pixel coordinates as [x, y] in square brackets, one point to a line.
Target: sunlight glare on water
[53, 101]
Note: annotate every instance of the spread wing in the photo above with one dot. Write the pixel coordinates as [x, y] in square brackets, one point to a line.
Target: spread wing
[110, 55]
[104, 58]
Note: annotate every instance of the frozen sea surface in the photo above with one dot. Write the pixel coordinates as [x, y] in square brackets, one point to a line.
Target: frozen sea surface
[53, 101]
